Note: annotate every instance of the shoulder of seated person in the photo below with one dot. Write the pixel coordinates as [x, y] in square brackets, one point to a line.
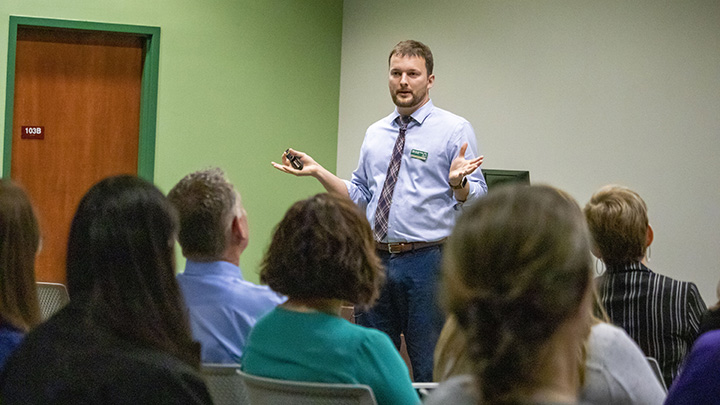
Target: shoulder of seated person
[458, 390]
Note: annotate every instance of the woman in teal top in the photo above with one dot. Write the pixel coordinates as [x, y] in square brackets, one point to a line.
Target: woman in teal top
[322, 255]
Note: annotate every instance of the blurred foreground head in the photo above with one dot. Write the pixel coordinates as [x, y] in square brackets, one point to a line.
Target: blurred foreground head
[517, 274]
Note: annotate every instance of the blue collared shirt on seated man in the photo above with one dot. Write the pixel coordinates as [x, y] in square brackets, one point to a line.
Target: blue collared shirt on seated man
[423, 205]
[223, 307]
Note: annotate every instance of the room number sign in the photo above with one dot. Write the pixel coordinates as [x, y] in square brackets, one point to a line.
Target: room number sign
[32, 132]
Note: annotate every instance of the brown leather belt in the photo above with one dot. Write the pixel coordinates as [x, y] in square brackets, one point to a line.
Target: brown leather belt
[402, 247]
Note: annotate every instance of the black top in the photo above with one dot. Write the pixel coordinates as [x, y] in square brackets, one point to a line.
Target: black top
[710, 320]
[661, 314]
[66, 360]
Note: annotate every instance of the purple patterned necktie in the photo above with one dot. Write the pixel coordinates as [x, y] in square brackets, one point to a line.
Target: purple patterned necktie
[383, 207]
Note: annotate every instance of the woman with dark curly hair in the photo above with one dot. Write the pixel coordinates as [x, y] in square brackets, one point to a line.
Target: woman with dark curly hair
[517, 278]
[322, 255]
[124, 336]
[19, 243]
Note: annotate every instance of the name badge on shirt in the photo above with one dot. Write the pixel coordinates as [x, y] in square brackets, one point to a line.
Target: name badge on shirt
[418, 154]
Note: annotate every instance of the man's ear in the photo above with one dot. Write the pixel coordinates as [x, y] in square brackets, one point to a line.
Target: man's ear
[237, 230]
[650, 237]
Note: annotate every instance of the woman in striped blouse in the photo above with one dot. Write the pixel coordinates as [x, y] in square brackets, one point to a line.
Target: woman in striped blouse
[661, 314]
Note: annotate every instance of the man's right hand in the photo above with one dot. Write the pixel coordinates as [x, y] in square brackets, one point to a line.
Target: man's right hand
[310, 166]
[331, 182]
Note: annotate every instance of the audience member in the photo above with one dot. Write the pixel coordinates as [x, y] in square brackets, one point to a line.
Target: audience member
[710, 320]
[699, 381]
[517, 277]
[223, 307]
[615, 369]
[451, 352]
[19, 242]
[322, 255]
[124, 337]
[661, 314]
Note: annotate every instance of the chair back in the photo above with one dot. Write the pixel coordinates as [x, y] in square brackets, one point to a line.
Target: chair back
[224, 383]
[262, 391]
[655, 366]
[52, 297]
[424, 389]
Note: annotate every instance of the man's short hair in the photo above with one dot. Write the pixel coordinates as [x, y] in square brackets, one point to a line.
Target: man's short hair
[414, 48]
[207, 203]
[618, 222]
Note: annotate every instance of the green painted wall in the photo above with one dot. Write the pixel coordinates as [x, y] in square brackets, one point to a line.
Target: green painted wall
[239, 82]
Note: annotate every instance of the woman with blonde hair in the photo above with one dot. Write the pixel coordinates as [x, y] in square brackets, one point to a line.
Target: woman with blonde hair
[517, 277]
[614, 368]
[19, 243]
[661, 314]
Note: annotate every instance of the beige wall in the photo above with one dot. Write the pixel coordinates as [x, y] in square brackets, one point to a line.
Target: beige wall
[580, 92]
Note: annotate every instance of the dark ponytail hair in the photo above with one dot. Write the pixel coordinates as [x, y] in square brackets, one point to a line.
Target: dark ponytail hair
[516, 268]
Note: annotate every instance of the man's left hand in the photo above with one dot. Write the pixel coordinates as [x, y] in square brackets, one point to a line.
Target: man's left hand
[461, 167]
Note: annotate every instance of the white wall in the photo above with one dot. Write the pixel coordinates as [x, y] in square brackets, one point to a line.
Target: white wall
[581, 93]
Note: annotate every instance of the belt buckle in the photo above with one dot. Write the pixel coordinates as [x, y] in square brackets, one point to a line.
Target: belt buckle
[397, 245]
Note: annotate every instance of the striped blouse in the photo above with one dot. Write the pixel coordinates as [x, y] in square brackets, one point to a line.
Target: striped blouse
[661, 314]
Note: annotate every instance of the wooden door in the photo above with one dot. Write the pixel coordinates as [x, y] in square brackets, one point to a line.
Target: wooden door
[83, 88]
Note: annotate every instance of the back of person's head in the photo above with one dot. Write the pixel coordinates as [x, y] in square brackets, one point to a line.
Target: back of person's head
[323, 249]
[121, 265]
[618, 222]
[415, 49]
[19, 242]
[206, 203]
[517, 269]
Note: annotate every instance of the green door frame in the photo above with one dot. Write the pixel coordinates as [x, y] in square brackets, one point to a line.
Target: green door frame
[148, 92]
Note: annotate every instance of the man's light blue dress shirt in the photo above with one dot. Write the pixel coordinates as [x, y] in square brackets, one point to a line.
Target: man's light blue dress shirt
[223, 307]
[423, 205]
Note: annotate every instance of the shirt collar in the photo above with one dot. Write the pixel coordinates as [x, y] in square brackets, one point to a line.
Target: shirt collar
[218, 268]
[627, 267]
[419, 115]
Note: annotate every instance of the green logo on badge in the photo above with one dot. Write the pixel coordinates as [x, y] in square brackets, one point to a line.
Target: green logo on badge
[418, 154]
